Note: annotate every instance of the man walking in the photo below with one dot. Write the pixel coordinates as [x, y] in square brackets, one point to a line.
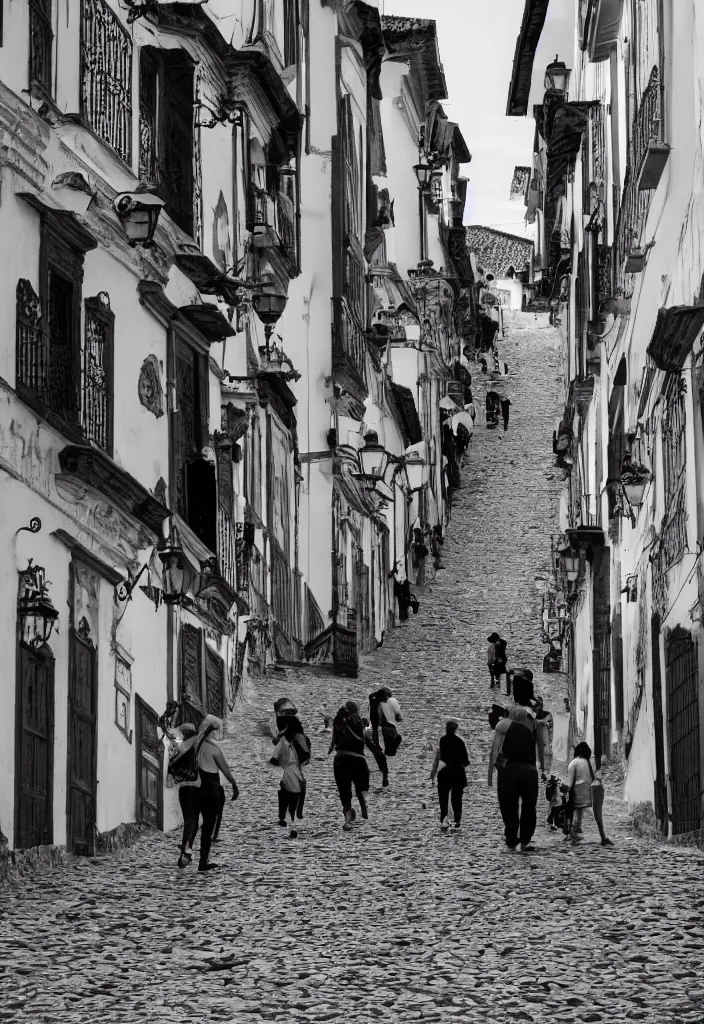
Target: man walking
[517, 743]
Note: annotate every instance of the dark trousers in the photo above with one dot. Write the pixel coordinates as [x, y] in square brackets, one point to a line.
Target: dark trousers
[392, 740]
[518, 782]
[447, 793]
[505, 408]
[379, 755]
[221, 808]
[351, 771]
[189, 799]
[209, 805]
[288, 802]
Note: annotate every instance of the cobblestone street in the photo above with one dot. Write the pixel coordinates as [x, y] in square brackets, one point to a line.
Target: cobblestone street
[393, 920]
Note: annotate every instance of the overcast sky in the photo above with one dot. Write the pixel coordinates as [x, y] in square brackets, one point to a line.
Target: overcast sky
[477, 43]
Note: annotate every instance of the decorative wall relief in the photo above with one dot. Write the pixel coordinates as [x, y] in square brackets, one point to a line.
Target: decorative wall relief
[123, 691]
[151, 393]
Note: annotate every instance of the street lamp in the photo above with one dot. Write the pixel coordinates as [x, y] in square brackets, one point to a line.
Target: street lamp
[424, 174]
[373, 457]
[557, 76]
[414, 465]
[177, 573]
[269, 305]
[138, 213]
[36, 614]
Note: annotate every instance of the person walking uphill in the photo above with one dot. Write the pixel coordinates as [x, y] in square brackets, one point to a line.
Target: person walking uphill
[389, 715]
[211, 761]
[516, 744]
[350, 765]
[451, 760]
[183, 769]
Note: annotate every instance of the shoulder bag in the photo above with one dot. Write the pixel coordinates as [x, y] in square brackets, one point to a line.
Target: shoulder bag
[184, 767]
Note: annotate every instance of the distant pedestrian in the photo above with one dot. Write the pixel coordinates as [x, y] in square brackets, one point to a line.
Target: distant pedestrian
[516, 744]
[451, 761]
[496, 659]
[350, 765]
[585, 791]
[183, 769]
[378, 754]
[505, 407]
[389, 717]
[211, 761]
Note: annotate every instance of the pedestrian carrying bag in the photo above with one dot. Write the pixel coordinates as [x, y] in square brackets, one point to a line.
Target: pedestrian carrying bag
[184, 768]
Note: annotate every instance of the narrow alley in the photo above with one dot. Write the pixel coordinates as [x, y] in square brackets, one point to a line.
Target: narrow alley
[392, 920]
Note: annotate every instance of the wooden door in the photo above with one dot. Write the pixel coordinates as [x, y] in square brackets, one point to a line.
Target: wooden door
[661, 807]
[601, 666]
[682, 682]
[150, 794]
[34, 748]
[82, 744]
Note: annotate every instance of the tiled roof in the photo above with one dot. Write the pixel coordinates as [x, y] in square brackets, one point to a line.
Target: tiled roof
[496, 251]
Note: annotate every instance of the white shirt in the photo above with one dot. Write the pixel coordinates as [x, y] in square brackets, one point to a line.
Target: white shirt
[389, 709]
[285, 754]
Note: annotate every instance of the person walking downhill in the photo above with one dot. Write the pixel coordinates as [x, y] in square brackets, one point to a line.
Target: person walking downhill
[350, 765]
[211, 761]
[389, 716]
[585, 791]
[451, 761]
[496, 659]
[516, 744]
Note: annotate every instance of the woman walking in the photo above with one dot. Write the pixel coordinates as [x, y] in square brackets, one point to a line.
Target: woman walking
[389, 715]
[292, 786]
[350, 765]
[451, 761]
[211, 761]
[585, 791]
[182, 768]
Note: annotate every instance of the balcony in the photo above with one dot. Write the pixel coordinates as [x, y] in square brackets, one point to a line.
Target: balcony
[649, 149]
[585, 525]
[349, 351]
[274, 220]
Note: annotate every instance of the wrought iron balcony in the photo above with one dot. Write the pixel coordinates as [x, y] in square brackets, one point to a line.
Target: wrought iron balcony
[274, 212]
[349, 347]
[650, 151]
[227, 559]
[106, 76]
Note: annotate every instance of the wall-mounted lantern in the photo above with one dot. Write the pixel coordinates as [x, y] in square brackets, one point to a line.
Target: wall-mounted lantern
[414, 465]
[373, 457]
[557, 76]
[177, 573]
[424, 174]
[138, 213]
[36, 614]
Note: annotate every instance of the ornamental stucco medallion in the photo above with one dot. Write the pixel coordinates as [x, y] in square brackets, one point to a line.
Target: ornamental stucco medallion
[151, 394]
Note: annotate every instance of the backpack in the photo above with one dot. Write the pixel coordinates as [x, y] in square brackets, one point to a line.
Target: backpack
[303, 750]
[184, 768]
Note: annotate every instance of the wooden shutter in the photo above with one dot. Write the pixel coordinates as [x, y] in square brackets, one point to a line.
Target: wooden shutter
[191, 689]
[224, 467]
[176, 156]
[215, 683]
[203, 378]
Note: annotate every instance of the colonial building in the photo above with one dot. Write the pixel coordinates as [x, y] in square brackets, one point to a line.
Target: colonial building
[619, 222]
[209, 318]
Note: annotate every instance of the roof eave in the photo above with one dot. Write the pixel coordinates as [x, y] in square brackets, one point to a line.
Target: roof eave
[531, 29]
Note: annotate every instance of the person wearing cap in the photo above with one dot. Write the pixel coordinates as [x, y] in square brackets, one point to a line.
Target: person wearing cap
[450, 764]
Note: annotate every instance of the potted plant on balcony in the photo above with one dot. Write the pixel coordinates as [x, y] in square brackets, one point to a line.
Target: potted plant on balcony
[634, 478]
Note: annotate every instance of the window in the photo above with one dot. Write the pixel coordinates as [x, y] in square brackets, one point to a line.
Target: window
[290, 32]
[41, 43]
[96, 379]
[202, 678]
[167, 151]
[106, 76]
[253, 469]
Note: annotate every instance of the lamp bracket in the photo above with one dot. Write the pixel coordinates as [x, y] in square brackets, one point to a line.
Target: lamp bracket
[123, 591]
[35, 525]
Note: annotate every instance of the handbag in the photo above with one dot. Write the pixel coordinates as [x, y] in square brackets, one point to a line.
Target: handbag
[184, 768]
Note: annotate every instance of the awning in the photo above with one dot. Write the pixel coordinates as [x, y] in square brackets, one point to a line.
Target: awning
[385, 278]
[600, 29]
[208, 319]
[531, 29]
[564, 137]
[406, 414]
[676, 330]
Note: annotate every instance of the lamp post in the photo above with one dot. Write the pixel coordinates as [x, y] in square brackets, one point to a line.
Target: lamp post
[373, 457]
[177, 573]
[557, 77]
[424, 175]
[138, 213]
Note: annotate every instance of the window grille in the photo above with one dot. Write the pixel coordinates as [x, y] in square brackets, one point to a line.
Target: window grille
[290, 32]
[682, 679]
[41, 42]
[672, 431]
[32, 340]
[106, 76]
[96, 376]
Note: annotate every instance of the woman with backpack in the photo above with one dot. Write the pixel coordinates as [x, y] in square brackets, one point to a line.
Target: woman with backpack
[183, 770]
[350, 765]
[211, 761]
[585, 791]
[291, 753]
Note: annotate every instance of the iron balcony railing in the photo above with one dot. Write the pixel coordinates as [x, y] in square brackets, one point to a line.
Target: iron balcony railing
[227, 557]
[97, 372]
[647, 125]
[348, 339]
[106, 76]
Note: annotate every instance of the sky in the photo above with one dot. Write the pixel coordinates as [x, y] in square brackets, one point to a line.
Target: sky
[477, 41]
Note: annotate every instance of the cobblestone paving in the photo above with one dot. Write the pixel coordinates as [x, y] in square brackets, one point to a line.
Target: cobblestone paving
[393, 920]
